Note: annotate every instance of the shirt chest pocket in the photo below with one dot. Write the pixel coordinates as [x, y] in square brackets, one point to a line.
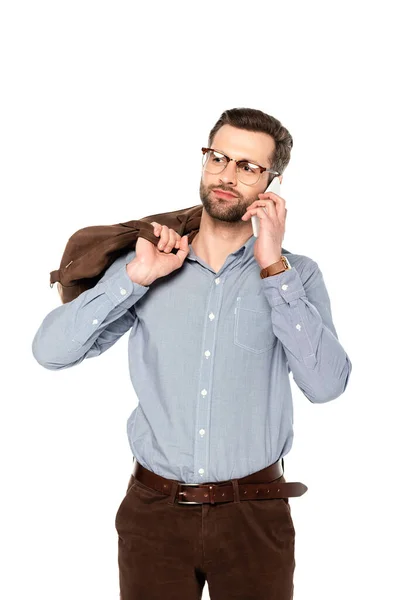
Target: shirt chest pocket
[253, 327]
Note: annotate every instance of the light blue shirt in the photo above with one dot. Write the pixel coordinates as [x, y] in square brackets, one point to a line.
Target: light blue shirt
[209, 358]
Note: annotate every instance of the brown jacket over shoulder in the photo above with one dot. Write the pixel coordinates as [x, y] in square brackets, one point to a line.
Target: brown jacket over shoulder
[91, 250]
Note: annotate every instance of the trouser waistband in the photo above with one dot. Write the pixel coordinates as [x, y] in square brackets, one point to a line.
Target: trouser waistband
[256, 486]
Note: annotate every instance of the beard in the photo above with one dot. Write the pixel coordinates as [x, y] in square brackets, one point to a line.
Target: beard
[230, 210]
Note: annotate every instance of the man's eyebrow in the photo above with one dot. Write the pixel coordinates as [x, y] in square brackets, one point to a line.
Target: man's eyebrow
[250, 160]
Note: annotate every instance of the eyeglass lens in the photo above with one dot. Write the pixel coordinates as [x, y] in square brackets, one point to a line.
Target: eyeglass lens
[215, 162]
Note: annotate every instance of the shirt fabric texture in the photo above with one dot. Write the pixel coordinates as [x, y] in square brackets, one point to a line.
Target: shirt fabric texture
[209, 358]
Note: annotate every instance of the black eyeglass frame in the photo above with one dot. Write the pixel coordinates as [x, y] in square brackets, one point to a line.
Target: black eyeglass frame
[242, 160]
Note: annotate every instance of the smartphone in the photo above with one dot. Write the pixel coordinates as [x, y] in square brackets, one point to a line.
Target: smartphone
[274, 186]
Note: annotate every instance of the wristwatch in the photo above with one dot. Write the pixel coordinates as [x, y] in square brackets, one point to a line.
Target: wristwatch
[278, 267]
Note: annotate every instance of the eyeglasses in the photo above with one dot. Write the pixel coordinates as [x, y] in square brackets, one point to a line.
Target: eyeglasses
[247, 172]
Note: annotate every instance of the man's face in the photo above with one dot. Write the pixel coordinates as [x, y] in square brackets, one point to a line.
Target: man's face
[239, 144]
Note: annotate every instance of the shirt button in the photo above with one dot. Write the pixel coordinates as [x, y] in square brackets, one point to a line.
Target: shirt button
[122, 291]
[207, 353]
[202, 431]
[285, 286]
[211, 316]
[203, 392]
[298, 326]
[217, 280]
[94, 322]
[201, 471]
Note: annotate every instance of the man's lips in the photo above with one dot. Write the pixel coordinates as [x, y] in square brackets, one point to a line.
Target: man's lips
[224, 194]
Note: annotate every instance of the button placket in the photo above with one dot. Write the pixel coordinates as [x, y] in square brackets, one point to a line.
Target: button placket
[203, 409]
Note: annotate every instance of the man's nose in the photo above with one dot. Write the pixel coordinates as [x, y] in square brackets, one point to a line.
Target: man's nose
[229, 174]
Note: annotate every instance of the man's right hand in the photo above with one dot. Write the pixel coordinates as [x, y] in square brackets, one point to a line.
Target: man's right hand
[150, 262]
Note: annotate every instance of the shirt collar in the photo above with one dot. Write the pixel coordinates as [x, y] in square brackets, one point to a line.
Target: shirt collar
[245, 252]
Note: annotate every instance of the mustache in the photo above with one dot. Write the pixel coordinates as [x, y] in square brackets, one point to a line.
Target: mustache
[228, 191]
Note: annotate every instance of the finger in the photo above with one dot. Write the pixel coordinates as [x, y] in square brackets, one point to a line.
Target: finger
[278, 201]
[268, 205]
[176, 240]
[271, 195]
[263, 202]
[184, 248]
[272, 210]
[164, 239]
[156, 227]
[172, 240]
[260, 212]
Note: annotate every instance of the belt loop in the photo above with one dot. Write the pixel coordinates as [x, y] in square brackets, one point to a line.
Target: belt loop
[283, 465]
[236, 490]
[172, 496]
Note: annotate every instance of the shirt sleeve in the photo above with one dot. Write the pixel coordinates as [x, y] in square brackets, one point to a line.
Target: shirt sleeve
[302, 321]
[92, 322]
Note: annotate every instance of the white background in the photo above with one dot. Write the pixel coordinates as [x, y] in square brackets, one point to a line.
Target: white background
[92, 90]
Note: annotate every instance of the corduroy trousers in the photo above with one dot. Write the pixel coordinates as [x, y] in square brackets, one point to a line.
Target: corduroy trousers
[167, 551]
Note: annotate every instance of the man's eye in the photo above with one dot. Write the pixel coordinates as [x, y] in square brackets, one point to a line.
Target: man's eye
[248, 168]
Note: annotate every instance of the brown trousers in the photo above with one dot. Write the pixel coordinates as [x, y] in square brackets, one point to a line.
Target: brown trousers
[166, 551]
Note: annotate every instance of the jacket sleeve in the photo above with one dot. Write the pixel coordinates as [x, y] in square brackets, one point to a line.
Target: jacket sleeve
[91, 323]
[302, 321]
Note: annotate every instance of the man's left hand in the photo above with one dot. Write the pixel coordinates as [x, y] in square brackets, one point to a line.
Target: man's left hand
[268, 245]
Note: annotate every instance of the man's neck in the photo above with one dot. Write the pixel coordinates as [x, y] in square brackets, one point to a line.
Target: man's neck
[213, 249]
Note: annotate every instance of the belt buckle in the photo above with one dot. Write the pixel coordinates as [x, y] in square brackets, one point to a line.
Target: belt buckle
[211, 494]
[187, 501]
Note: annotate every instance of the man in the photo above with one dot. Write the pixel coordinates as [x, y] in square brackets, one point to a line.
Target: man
[215, 331]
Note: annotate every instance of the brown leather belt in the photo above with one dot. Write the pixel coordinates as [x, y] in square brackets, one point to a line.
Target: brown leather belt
[256, 486]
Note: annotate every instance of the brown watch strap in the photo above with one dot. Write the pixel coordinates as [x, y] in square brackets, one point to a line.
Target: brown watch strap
[274, 269]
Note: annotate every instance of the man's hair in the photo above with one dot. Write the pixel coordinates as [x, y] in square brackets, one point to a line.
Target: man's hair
[256, 120]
